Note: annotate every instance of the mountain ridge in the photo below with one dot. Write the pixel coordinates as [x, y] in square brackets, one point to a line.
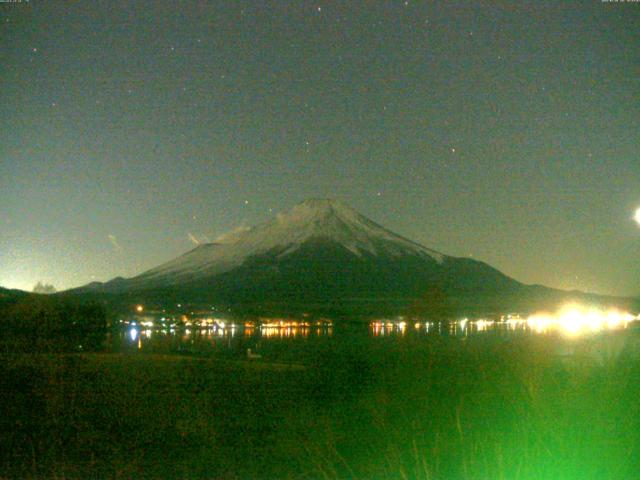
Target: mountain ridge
[325, 254]
[311, 219]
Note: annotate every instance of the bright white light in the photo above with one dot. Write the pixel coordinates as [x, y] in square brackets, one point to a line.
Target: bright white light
[637, 216]
[573, 320]
[540, 322]
[483, 324]
[133, 333]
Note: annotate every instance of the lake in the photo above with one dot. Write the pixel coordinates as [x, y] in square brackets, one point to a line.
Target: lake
[295, 340]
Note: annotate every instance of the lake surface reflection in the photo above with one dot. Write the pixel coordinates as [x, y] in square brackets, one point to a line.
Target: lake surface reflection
[281, 338]
[228, 339]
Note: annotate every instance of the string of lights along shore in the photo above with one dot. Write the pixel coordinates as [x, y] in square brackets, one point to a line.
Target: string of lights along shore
[505, 132]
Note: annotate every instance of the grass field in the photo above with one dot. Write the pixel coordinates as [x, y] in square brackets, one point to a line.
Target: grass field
[427, 409]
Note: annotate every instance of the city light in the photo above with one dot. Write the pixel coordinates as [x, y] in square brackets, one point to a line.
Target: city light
[482, 324]
[570, 320]
[573, 320]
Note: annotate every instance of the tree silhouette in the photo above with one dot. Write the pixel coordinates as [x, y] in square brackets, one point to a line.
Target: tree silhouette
[433, 304]
[44, 288]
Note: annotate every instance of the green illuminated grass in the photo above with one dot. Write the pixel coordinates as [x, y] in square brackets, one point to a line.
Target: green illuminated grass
[436, 409]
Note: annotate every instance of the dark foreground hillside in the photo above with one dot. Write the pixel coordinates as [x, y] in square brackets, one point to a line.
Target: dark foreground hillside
[425, 409]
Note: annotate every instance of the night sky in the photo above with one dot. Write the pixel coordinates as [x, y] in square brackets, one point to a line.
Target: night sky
[507, 131]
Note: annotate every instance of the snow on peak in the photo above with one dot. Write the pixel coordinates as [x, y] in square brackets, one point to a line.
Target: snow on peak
[317, 213]
[318, 208]
[324, 219]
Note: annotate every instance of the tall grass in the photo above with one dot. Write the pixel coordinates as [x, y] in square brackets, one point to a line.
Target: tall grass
[418, 408]
[506, 410]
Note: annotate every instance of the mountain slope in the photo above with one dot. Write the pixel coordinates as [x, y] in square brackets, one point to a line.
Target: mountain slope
[324, 256]
[329, 220]
[9, 297]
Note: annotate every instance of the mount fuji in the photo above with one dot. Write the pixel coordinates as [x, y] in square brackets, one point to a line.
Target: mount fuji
[323, 256]
[321, 222]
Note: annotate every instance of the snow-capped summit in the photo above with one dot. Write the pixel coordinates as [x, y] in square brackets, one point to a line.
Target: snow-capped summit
[324, 257]
[320, 255]
[325, 220]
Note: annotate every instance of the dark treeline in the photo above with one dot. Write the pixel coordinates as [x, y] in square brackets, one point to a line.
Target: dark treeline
[47, 324]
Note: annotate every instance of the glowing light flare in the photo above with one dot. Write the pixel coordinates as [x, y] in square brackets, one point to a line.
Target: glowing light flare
[636, 217]
[275, 323]
[483, 324]
[514, 322]
[573, 320]
[249, 331]
[540, 323]
[284, 332]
